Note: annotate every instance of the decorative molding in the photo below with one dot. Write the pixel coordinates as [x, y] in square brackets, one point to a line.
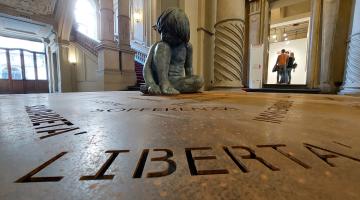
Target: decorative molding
[205, 30]
[255, 7]
[229, 20]
[39, 7]
[19, 28]
[229, 53]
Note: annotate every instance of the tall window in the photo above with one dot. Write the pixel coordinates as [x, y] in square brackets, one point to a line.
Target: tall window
[29, 65]
[15, 62]
[86, 18]
[4, 74]
[22, 59]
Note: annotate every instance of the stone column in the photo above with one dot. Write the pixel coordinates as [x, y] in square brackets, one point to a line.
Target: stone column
[352, 77]
[314, 45]
[127, 63]
[330, 15]
[229, 43]
[124, 24]
[65, 72]
[106, 23]
[110, 75]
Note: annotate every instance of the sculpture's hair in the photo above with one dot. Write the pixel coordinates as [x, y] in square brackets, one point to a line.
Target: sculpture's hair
[174, 21]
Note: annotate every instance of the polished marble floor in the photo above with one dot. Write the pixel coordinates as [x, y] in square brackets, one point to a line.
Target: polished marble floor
[212, 145]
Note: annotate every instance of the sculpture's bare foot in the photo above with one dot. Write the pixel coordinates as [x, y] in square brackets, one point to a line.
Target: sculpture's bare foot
[168, 90]
[154, 90]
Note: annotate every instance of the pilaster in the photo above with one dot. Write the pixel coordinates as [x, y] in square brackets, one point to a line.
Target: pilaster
[330, 15]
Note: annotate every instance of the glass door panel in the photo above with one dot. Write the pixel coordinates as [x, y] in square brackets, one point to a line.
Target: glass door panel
[4, 73]
[15, 63]
[29, 66]
[41, 66]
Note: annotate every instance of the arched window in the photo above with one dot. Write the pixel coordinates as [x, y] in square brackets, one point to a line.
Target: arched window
[86, 18]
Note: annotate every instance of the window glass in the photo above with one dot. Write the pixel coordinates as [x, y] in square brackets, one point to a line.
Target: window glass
[29, 65]
[15, 63]
[86, 18]
[41, 66]
[4, 74]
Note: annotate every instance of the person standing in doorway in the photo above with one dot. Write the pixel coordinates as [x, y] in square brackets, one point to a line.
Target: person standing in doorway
[290, 66]
[281, 63]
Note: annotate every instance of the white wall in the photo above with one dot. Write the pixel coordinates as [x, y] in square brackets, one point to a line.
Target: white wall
[299, 47]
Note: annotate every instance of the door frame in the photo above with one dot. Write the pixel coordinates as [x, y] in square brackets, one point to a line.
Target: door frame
[310, 78]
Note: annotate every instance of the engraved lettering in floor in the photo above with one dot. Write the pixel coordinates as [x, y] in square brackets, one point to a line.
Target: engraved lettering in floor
[167, 109]
[247, 153]
[48, 123]
[122, 108]
[275, 113]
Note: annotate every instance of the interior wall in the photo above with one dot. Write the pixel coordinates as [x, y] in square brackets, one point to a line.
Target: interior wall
[169, 3]
[299, 47]
[84, 71]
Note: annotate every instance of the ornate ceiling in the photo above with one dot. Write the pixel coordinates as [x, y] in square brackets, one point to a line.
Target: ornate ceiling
[39, 7]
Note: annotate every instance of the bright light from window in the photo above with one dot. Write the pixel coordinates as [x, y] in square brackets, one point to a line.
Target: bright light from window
[12, 43]
[41, 66]
[86, 18]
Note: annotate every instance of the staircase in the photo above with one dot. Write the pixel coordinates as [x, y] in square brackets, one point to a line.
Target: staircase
[139, 76]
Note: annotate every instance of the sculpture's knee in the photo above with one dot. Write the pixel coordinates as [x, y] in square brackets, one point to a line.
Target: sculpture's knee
[198, 82]
[190, 84]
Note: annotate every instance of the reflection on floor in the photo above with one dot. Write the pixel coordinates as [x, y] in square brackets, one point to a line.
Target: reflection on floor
[213, 145]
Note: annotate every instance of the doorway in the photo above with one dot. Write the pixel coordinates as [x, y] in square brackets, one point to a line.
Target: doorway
[289, 28]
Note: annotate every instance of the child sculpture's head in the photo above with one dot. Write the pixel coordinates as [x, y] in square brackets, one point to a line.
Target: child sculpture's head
[173, 26]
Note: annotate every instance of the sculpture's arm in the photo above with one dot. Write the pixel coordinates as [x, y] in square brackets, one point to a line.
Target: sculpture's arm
[162, 58]
[188, 61]
[147, 74]
[151, 85]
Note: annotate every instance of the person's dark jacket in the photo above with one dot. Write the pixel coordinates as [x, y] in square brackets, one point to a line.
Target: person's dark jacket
[291, 63]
